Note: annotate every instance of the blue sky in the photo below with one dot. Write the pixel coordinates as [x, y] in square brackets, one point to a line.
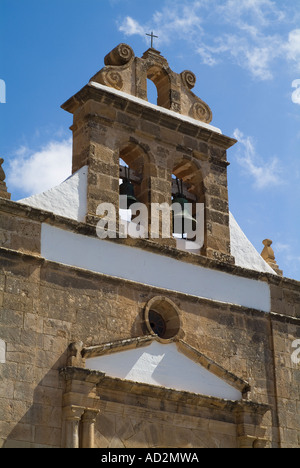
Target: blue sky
[245, 54]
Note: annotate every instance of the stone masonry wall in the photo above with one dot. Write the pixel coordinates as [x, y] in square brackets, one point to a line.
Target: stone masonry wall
[44, 307]
[105, 125]
[118, 427]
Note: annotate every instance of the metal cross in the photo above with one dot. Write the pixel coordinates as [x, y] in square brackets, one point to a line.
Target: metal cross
[152, 37]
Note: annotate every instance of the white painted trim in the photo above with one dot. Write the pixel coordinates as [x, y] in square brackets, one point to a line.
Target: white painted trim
[164, 366]
[156, 270]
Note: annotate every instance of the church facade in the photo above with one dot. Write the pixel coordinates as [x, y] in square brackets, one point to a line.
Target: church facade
[146, 341]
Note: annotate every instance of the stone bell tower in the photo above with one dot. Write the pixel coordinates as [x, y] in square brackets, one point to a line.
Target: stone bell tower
[113, 120]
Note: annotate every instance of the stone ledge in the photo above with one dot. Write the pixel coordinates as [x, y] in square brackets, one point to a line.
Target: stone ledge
[187, 350]
[83, 375]
[285, 318]
[157, 115]
[117, 346]
[27, 258]
[17, 209]
[102, 381]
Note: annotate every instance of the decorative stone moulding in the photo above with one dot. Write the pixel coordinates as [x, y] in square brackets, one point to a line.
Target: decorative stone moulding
[125, 72]
[162, 318]
[116, 69]
[269, 256]
[3, 189]
[120, 55]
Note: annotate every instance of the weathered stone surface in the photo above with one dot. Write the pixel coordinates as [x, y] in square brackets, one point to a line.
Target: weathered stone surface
[3, 189]
[108, 126]
[47, 398]
[60, 309]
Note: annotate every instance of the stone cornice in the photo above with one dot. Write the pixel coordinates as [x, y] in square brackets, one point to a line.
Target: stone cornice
[9, 254]
[37, 215]
[181, 398]
[158, 115]
[184, 348]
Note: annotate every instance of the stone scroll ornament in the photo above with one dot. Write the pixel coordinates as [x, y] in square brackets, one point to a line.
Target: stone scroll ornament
[3, 189]
[199, 109]
[118, 60]
[188, 79]
[2, 173]
[127, 73]
[119, 56]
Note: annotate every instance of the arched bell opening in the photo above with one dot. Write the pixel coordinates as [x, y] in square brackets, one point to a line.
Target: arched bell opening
[188, 195]
[161, 80]
[134, 182]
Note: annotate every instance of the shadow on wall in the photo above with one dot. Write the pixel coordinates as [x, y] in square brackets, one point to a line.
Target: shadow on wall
[41, 425]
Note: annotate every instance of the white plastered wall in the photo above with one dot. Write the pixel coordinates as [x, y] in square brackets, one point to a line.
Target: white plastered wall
[163, 365]
[245, 254]
[141, 266]
[68, 199]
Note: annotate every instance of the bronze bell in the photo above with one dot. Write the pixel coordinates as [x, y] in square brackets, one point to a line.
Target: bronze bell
[181, 219]
[127, 188]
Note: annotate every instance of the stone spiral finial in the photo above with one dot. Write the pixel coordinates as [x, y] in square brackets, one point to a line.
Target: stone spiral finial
[129, 74]
[201, 111]
[189, 79]
[120, 55]
[2, 173]
[3, 189]
[269, 256]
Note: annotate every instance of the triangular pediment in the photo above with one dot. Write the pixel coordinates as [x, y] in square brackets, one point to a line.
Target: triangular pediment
[175, 366]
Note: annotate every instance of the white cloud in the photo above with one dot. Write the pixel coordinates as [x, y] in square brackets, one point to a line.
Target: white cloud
[176, 20]
[247, 33]
[265, 174]
[280, 247]
[257, 58]
[292, 47]
[261, 12]
[207, 55]
[296, 94]
[2, 92]
[130, 27]
[34, 172]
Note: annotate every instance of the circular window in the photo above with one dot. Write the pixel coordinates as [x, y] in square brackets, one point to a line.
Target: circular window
[162, 318]
[157, 323]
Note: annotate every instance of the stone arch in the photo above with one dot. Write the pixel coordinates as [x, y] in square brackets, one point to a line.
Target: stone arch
[124, 71]
[139, 160]
[160, 77]
[189, 170]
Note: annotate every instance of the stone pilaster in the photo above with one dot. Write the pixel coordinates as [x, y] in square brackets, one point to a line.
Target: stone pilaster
[72, 418]
[250, 430]
[88, 428]
[81, 405]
